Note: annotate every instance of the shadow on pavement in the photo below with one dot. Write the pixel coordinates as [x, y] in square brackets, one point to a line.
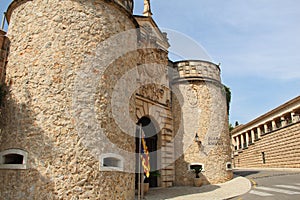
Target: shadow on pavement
[245, 173]
[166, 193]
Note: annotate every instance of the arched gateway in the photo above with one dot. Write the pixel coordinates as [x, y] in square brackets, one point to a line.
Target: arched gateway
[155, 117]
[79, 76]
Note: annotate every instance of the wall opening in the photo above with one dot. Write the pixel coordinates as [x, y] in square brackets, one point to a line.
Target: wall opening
[228, 166]
[151, 138]
[263, 157]
[111, 161]
[193, 165]
[13, 159]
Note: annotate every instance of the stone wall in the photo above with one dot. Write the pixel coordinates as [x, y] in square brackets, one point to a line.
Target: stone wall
[53, 44]
[4, 50]
[200, 107]
[281, 149]
[79, 80]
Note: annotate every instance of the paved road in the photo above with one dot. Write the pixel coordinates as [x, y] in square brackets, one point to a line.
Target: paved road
[271, 185]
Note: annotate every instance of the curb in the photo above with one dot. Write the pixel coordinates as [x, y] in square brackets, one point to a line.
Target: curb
[253, 183]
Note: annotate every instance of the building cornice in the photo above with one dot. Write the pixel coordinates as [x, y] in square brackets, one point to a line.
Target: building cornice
[271, 114]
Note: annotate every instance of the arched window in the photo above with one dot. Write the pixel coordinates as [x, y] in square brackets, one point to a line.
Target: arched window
[111, 161]
[13, 159]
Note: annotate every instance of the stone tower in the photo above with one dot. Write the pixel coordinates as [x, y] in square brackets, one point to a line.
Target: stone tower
[80, 76]
[53, 44]
[200, 123]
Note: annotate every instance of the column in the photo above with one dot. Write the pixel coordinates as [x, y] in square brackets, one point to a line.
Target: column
[274, 125]
[258, 132]
[242, 141]
[252, 136]
[237, 142]
[266, 128]
[247, 139]
[293, 116]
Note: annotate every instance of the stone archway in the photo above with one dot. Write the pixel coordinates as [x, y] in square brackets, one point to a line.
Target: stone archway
[161, 117]
[151, 136]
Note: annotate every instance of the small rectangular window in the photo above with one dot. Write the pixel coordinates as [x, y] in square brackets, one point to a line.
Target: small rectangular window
[228, 166]
[13, 159]
[111, 162]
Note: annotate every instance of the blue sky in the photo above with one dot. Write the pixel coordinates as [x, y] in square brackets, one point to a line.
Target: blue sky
[256, 41]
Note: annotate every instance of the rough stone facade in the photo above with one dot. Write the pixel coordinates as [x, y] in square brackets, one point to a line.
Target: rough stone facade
[203, 112]
[48, 47]
[80, 75]
[270, 141]
[4, 48]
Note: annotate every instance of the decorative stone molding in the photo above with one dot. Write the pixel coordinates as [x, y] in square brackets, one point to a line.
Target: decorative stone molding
[192, 96]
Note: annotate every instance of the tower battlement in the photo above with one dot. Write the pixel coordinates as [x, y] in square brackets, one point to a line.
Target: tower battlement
[196, 70]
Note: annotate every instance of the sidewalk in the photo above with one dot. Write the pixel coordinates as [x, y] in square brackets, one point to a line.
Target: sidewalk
[237, 186]
[269, 169]
[255, 173]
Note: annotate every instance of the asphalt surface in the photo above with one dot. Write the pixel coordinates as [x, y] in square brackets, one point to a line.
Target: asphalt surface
[235, 187]
[271, 184]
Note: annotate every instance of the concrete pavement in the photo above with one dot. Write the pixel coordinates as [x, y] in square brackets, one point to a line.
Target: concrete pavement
[237, 186]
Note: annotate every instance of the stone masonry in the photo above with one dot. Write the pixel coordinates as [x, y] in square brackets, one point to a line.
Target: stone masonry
[48, 48]
[80, 74]
[203, 112]
[271, 140]
[4, 49]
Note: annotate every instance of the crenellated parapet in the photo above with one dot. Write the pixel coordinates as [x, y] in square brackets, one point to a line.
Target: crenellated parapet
[196, 70]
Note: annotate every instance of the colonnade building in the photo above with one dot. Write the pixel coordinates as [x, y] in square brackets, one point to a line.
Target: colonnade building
[271, 140]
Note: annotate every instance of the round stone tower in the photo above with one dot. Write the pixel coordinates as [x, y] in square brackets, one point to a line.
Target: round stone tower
[45, 127]
[200, 123]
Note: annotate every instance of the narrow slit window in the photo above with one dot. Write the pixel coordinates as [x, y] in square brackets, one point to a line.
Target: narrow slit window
[263, 157]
